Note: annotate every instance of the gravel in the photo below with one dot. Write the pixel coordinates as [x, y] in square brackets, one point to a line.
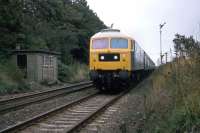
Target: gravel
[128, 118]
[36, 88]
[14, 117]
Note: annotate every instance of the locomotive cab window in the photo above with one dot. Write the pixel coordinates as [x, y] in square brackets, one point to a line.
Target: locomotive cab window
[119, 43]
[102, 43]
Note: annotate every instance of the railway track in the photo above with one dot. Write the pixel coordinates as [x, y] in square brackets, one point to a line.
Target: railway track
[23, 101]
[67, 118]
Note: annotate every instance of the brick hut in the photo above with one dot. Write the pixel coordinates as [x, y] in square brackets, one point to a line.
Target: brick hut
[37, 65]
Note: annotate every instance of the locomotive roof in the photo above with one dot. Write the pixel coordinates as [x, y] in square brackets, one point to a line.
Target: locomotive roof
[110, 33]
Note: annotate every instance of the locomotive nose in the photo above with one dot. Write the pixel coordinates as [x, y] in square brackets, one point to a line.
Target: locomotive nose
[116, 60]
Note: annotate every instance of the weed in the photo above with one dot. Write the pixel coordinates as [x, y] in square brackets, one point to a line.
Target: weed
[73, 72]
[173, 104]
[11, 79]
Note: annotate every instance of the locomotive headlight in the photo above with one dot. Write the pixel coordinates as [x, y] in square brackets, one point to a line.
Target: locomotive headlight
[102, 57]
[115, 57]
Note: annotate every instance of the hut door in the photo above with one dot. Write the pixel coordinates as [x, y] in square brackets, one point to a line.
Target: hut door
[22, 63]
[48, 68]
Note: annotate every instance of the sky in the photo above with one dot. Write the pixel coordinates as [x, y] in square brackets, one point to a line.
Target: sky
[141, 18]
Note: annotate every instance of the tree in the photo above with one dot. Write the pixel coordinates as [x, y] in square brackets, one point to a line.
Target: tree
[186, 46]
[61, 25]
[10, 23]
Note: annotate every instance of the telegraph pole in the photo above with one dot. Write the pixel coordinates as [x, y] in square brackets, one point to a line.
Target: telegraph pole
[198, 34]
[161, 55]
[171, 54]
[166, 57]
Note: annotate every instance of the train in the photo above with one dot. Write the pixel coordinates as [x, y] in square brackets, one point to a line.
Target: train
[116, 59]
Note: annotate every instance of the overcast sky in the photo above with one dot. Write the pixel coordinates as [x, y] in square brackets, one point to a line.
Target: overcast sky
[141, 19]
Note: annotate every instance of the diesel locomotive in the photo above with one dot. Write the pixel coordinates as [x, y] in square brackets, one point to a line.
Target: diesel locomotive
[115, 59]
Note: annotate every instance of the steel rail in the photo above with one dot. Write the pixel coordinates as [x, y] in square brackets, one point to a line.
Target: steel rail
[95, 113]
[47, 114]
[14, 103]
[59, 110]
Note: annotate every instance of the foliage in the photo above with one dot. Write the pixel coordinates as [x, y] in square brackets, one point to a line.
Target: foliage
[10, 25]
[11, 79]
[173, 103]
[61, 25]
[186, 46]
[72, 73]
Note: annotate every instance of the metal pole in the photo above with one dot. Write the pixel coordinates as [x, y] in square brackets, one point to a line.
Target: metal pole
[171, 54]
[161, 55]
[160, 45]
[198, 37]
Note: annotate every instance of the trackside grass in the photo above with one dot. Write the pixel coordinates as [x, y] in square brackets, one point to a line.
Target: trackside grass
[73, 73]
[11, 79]
[173, 102]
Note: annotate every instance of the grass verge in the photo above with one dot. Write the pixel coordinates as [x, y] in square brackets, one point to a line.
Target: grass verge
[173, 102]
[73, 73]
[11, 79]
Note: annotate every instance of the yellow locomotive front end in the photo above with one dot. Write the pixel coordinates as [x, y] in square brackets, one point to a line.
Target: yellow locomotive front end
[110, 58]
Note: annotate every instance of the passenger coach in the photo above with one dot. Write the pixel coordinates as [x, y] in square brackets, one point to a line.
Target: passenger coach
[116, 58]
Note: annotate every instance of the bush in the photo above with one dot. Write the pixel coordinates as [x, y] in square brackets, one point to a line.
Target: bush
[11, 79]
[173, 102]
[72, 73]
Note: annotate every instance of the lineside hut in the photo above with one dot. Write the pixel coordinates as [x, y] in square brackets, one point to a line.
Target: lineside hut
[37, 65]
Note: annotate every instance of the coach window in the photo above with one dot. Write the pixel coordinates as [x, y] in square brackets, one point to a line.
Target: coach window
[119, 43]
[100, 43]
